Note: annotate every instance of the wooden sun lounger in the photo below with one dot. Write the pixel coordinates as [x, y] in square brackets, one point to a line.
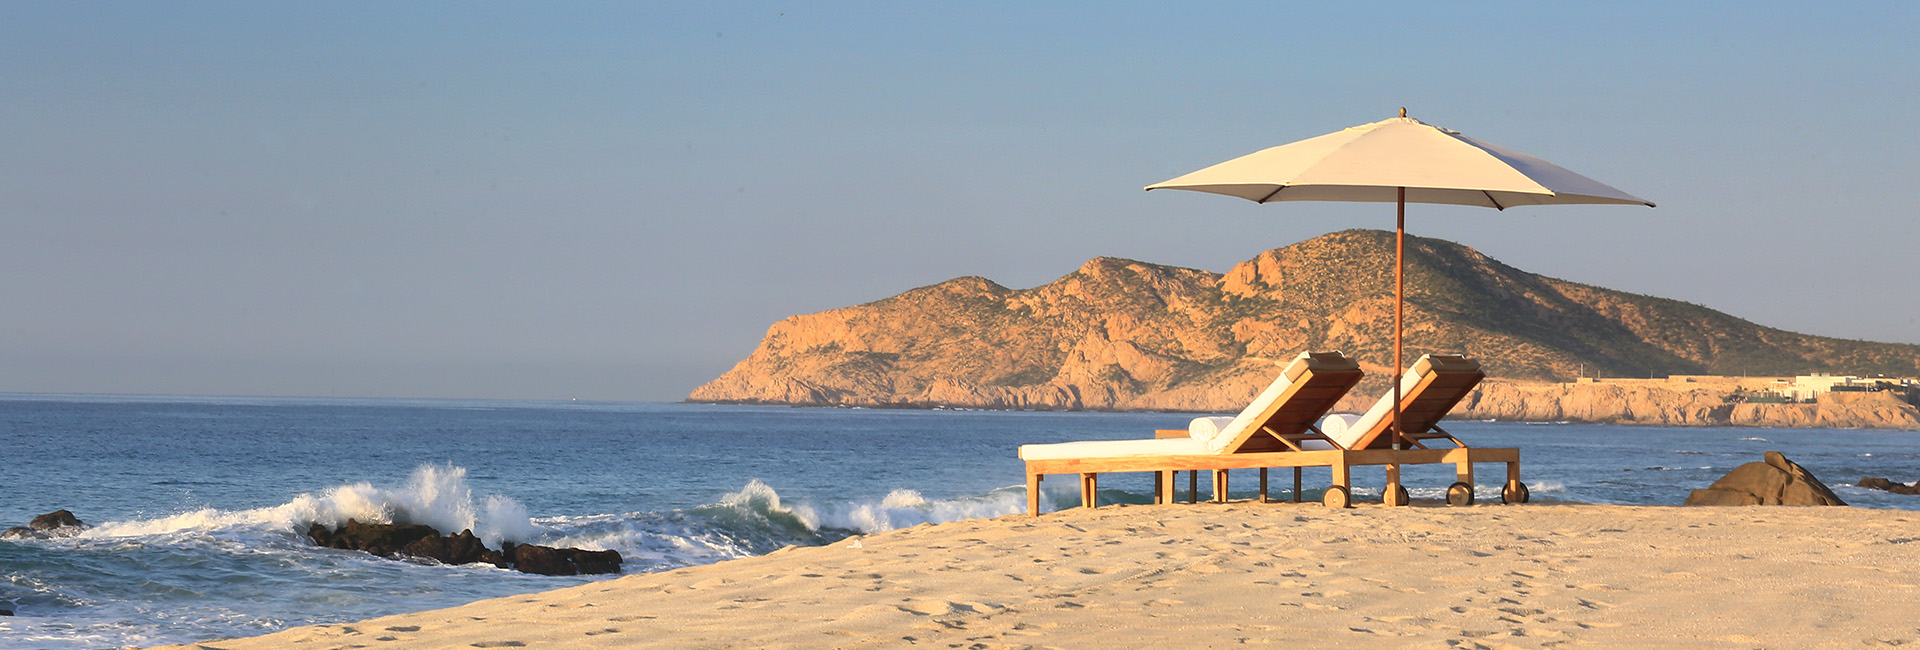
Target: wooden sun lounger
[1277, 430]
[1431, 387]
[1276, 427]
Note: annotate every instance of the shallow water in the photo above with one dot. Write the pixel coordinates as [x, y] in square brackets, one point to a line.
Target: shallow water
[195, 502]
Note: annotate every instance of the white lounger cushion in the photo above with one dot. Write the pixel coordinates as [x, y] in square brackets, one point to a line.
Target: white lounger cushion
[1205, 435]
[1250, 416]
[1115, 449]
[1383, 409]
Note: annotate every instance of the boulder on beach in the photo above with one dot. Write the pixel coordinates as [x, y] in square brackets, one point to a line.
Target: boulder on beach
[1775, 482]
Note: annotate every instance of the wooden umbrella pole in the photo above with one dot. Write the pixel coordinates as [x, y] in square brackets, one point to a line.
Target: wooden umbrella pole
[1399, 303]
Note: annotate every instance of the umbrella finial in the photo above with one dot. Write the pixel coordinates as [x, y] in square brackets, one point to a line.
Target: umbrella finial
[1403, 111]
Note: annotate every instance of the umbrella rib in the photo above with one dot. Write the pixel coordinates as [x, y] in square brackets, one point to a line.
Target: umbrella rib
[1270, 195]
[1494, 201]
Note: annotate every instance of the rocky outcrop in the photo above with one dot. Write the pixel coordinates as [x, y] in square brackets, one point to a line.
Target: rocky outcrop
[1885, 485]
[59, 523]
[1775, 482]
[1126, 335]
[546, 560]
[423, 542]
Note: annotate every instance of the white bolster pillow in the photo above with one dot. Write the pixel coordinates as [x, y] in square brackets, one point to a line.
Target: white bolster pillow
[1336, 425]
[1205, 429]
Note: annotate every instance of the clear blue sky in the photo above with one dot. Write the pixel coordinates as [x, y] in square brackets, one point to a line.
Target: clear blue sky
[613, 201]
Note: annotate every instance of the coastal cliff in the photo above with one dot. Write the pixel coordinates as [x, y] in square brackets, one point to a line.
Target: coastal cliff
[1123, 334]
[1644, 402]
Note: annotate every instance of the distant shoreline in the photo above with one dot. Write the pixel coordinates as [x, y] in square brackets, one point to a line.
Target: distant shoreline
[1622, 402]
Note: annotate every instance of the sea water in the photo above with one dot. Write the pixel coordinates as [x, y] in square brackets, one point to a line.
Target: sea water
[196, 504]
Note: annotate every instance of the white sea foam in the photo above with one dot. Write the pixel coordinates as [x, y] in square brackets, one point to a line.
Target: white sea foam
[904, 508]
[435, 495]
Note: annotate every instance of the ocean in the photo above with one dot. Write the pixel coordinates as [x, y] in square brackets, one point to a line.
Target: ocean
[195, 503]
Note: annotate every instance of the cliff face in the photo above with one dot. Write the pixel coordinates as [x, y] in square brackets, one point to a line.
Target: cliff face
[1121, 334]
[1655, 405]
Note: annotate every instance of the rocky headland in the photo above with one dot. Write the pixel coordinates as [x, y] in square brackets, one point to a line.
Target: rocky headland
[1126, 335]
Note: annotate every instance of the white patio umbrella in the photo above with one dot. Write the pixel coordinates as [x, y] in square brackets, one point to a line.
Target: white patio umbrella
[1401, 160]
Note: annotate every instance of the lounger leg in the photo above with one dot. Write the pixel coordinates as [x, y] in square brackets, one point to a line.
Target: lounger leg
[1263, 485]
[1391, 495]
[1033, 494]
[1296, 484]
[1339, 495]
[1219, 486]
[1193, 486]
[1158, 478]
[1163, 485]
[1089, 490]
[1464, 472]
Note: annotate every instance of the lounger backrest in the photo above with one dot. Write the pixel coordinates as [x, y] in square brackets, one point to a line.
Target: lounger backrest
[1306, 389]
[1428, 390]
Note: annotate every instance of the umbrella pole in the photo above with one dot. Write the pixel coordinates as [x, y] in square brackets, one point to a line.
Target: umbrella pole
[1399, 298]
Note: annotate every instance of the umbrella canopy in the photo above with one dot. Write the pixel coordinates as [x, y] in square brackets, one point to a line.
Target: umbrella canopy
[1371, 162]
[1400, 160]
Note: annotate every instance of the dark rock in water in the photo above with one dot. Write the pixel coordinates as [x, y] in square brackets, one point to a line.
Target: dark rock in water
[56, 520]
[465, 548]
[378, 539]
[544, 560]
[462, 548]
[594, 562]
[320, 535]
[59, 523]
[1776, 482]
[413, 540]
[6, 612]
[1878, 483]
[502, 558]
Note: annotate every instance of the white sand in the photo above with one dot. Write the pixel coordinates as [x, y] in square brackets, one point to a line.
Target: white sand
[1205, 575]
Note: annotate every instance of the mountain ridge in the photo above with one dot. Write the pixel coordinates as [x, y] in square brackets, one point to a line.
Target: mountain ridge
[1125, 334]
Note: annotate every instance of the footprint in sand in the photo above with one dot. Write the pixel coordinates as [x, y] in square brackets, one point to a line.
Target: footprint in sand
[498, 644]
[928, 607]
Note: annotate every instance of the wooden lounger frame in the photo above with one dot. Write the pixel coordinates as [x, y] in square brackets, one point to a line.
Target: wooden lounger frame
[1448, 380]
[1340, 461]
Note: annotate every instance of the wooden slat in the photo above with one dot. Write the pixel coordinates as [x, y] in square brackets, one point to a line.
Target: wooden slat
[1424, 406]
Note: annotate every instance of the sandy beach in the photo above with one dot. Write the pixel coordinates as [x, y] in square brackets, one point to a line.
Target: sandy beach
[1209, 575]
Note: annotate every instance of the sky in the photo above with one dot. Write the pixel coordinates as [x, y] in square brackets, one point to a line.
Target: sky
[613, 201]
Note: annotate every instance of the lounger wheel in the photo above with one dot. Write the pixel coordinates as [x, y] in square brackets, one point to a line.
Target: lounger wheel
[1395, 495]
[1515, 492]
[1336, 497]
[1459, 494]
